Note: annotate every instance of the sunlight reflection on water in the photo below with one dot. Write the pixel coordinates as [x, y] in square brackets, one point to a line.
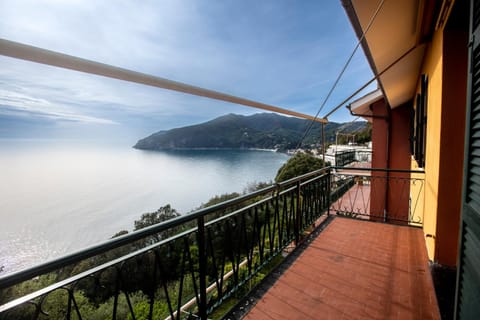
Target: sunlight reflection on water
[57, 198]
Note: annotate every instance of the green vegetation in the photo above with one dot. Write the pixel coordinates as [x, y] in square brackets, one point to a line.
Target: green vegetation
[299, 164]
[362, 135]
[365, 135]
[219, 199]
[262, 131]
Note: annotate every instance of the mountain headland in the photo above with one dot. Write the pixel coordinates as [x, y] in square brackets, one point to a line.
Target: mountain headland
[258, 131]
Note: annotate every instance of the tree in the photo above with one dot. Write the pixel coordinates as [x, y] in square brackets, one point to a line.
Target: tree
[219, 199]
[299, 164]
[162, 214]
[365, 135]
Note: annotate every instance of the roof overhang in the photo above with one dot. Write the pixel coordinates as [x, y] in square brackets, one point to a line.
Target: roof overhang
[399, 27]
[361, 106]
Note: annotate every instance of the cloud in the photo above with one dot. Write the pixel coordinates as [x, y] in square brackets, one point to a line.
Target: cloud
[14, 103]
[276, 52]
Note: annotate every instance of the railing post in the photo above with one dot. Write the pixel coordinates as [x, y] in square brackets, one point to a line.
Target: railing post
[202, 268]
[329, 190]
[298, 216]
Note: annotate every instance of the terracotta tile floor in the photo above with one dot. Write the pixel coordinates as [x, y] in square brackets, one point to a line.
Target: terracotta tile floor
[355, 270]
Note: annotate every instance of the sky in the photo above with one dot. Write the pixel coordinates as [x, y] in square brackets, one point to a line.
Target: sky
[280, 52]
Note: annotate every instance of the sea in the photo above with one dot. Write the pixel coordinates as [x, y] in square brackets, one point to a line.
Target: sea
[57, 197]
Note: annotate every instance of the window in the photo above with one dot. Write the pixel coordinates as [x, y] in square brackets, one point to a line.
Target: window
[419, 127]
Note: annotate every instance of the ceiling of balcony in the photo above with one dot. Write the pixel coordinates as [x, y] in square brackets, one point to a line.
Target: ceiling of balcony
[398, 31]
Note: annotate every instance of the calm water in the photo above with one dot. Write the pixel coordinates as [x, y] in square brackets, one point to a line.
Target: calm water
[58, 197]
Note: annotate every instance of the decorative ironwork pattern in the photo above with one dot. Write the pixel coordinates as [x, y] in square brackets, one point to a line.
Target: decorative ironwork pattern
[393, 196]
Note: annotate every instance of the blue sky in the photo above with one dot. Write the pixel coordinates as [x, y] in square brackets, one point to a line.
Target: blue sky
[284, 53]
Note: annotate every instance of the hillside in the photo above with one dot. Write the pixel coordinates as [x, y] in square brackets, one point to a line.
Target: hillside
[262, 130]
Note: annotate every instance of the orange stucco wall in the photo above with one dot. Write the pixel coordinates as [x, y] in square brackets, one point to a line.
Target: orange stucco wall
[455, 68]
[399, 158]
[379, 160]
[380, 135]
[391, 149]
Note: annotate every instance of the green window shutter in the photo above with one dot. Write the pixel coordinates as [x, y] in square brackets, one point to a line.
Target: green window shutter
[467, 304]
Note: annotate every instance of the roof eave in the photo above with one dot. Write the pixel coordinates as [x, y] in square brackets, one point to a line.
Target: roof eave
[352, 16]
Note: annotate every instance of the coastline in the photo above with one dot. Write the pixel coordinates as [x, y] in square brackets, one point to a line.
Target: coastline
[207, 148]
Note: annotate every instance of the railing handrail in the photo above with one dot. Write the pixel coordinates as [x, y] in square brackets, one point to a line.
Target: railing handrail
[69, 259]
[377, 169]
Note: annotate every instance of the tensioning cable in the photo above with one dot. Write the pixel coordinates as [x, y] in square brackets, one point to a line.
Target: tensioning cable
[324, 102]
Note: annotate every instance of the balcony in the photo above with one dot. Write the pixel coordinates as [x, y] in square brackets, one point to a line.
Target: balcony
[211, 263]
[355, 270]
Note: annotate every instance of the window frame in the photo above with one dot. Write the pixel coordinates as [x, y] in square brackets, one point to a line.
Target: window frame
[419, 140]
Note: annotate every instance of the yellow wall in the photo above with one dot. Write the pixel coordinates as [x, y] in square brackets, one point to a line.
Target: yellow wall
[432, 67]
[445, 65]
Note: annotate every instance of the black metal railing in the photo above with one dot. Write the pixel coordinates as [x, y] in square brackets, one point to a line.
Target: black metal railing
[191, 265]
[181, 268]
[343, 158]
[387, 195]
